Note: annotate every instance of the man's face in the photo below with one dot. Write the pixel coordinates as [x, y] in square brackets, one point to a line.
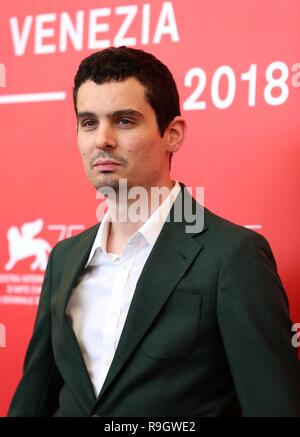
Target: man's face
[116, 123]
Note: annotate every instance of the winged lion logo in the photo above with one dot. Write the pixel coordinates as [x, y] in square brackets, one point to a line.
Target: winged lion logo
[23, 244]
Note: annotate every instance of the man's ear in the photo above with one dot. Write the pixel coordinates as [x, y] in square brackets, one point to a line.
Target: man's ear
[176, 133]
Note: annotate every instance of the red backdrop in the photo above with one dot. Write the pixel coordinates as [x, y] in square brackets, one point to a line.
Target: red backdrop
[237, 65]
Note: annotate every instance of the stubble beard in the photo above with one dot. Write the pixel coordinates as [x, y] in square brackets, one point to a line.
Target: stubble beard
[111, 183]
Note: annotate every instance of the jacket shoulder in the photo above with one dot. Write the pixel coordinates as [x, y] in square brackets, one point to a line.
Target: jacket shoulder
[228, 233]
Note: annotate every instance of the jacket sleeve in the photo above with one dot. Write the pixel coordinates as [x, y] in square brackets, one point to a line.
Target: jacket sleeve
[37, 392]
[256, 330]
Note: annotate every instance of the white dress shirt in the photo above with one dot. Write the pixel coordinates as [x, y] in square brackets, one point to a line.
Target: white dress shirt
[99, 304]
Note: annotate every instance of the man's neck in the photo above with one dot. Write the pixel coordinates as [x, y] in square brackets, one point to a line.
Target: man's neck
[128, 215]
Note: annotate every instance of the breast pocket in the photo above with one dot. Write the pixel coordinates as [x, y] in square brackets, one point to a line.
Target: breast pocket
[173, 334]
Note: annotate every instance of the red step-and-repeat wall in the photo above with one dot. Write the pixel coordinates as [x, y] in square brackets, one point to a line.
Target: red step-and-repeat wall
[237, 65]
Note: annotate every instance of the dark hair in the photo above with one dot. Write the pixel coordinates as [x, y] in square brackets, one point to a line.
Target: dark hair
[120, 63]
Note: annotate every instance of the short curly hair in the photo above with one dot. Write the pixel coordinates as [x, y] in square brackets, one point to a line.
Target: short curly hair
[120, 63]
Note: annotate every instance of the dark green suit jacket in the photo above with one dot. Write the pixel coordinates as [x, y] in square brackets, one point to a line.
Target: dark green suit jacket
[207, 333]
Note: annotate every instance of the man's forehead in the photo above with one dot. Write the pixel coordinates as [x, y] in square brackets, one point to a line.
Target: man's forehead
[112, 96]
[130, 84]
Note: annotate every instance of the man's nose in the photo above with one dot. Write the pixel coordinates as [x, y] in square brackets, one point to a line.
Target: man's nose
[105, 137]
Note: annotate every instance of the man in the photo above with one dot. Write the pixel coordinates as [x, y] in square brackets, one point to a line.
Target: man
[150, 317]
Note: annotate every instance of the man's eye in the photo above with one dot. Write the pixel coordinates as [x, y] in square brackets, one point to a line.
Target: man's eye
[125, 122]
[88, 123]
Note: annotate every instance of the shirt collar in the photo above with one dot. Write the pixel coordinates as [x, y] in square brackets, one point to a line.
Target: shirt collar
[152, 227]
[150, 230]
[101, 237]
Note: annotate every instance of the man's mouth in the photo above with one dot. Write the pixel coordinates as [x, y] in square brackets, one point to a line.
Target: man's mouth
[106, 164]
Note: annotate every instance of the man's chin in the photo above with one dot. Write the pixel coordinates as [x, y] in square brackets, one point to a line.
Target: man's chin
[109, 183]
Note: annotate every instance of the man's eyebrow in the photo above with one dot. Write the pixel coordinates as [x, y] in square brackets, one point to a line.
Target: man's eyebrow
[86, 114]
[127, 112]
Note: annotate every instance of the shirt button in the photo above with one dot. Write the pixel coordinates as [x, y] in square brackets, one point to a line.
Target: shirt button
[113, 313]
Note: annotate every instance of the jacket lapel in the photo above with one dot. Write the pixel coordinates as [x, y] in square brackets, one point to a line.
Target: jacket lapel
[74, 370]
[171, 256]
